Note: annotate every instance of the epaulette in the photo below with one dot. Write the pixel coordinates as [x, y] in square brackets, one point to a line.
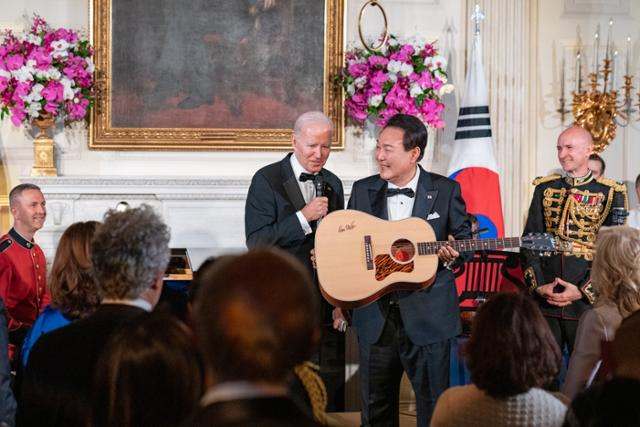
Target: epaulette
[5, 244]
[543, 179]
[617, 186]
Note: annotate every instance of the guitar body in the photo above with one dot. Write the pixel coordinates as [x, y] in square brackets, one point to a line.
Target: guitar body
[360, 258]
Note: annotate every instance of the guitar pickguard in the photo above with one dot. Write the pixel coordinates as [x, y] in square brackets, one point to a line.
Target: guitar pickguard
[385, 266]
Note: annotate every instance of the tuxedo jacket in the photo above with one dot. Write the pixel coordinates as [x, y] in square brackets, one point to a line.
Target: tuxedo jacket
[255, 412]
[272, 202]
[429, 315]
[59, 375]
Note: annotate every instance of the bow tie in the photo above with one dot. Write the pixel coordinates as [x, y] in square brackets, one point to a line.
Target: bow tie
[405, 191]
[307, 177]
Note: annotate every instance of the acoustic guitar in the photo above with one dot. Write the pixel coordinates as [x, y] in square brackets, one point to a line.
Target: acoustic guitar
[360, 258]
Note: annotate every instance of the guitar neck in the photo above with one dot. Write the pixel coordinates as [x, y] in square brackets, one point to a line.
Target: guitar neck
[431, 248]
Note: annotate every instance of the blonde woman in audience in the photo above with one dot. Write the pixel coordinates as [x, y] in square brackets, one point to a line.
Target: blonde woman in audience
[511, 355]
[615, 277]
[74, 293]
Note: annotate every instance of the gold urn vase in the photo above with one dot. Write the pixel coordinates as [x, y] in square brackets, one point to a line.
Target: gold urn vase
[43, 162]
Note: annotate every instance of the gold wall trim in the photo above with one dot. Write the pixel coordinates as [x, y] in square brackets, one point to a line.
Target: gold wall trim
[104, 136]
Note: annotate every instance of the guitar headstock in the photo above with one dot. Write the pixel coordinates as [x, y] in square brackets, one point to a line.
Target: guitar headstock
[539, 242]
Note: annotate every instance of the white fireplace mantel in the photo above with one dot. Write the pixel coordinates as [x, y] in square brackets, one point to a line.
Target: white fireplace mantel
[206, 215]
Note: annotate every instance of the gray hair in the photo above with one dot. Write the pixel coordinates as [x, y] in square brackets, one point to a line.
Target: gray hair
[18, 190]
[312, 117]
[129, 251]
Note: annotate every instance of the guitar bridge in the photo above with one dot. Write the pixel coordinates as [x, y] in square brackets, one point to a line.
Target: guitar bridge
[368, 252]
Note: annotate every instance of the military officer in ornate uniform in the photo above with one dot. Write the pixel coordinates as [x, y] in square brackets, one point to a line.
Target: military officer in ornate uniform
[22, 264]
[572, 207]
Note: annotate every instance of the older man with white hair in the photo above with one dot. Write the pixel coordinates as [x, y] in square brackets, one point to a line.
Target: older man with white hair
[285, 201]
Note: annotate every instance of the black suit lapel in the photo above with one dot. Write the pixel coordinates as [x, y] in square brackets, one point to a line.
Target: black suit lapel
[425, 196]
[290, 184]
[378, 199]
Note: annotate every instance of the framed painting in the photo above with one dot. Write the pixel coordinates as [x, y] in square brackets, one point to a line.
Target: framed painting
[213, 74]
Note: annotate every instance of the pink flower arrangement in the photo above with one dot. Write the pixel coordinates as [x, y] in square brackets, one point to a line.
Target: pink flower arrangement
[46, 70]
[407, 78]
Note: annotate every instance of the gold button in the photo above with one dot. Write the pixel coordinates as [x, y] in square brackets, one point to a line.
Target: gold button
[39, 277]
[37, 266]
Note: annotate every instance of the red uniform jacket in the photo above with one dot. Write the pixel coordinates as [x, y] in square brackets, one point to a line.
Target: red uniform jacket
[22, 280]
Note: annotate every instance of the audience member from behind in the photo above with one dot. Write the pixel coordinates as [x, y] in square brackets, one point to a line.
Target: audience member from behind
[511, 355]
[130, 253]
[615, 277]
[149, 375]
[596, 165]
[255, 318]
[614, 403]
[74, 292]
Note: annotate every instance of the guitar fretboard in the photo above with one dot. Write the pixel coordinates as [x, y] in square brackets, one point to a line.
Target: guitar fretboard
[431, 248]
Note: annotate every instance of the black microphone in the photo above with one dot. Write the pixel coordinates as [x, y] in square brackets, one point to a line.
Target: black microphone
[319, 182]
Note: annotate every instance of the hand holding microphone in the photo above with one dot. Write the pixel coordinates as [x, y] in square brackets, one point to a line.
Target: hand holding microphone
[319, 206]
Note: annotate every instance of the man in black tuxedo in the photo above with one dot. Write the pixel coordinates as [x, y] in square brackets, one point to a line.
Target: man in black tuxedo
[285, 201]
[408, 331]
[130, 252]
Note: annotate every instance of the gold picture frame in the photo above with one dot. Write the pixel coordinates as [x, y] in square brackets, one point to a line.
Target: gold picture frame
[107, 130]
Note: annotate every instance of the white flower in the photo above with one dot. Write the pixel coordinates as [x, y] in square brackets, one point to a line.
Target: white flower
[394, 66]
[68, 92]
[60, 45]
[34, 109]
[34, 39]
[393, 42]
[60, 49]
[90, 66]
[448, 88]
[415, 90]
[360, 82]
[428, 62]
[393, 77]
[5, 74]
[439, 62]
[351, 89]
[375, 100]
[441, 76]
[35, 94]
[50, 74]
[406, 69]
[23, 74]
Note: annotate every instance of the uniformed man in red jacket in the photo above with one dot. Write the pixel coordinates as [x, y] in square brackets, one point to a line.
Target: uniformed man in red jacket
[22, 264]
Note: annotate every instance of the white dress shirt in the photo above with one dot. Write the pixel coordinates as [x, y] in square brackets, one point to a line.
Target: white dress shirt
[400, 206]
[138, 302]
[308, 191]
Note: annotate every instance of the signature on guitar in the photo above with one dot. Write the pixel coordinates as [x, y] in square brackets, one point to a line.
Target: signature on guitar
[347, 227]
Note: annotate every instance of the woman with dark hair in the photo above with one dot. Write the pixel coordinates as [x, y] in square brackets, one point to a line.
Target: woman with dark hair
[511, 354]
[72, 284]
[149, 375]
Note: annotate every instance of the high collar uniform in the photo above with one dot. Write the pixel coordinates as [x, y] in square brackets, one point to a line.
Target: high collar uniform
[23, 285]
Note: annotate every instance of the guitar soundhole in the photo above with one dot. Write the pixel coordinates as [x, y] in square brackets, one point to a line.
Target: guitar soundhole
[402, 251]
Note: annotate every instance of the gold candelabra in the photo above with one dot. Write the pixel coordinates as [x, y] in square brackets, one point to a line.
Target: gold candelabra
[597, 109]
